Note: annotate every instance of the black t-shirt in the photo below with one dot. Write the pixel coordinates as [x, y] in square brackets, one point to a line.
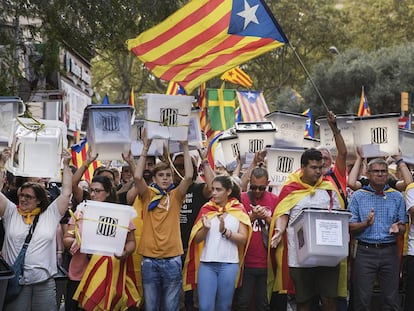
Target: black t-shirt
[194, 200]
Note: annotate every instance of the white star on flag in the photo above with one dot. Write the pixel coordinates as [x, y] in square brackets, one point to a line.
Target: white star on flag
[249, 14]
[250, 95]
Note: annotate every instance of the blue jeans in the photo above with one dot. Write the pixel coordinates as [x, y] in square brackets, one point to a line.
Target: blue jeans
[216, 282]
[162, 282]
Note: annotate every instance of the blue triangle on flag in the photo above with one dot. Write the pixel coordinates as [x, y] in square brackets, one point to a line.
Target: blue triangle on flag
[79, 146]
[105, 100]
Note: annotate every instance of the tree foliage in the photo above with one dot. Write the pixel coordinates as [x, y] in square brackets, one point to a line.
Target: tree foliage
[372, 38]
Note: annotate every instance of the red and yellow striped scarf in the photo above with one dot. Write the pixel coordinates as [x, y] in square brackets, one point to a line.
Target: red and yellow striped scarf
[293, 191]
[192, 260]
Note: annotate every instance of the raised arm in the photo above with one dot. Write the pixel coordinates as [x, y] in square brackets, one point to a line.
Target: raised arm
[4, 156]
[258, 158]
[405, 175]
[353, 175]
[188, 169]
[64, 197]
[208, 173]
[132, 192]
[140, 183]
[340, 160]
[77, 176]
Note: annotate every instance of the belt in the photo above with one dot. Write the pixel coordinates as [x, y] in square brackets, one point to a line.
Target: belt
[376, 245]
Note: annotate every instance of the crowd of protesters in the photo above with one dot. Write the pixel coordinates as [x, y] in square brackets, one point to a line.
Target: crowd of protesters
[213, 239]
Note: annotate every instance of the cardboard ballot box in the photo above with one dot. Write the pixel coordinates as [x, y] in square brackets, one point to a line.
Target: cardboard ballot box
[104, 227]
[322, 236]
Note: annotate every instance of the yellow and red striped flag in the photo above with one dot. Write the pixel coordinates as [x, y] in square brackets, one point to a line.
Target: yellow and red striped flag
[79, 154]
[174, 89]
[131, 100]
[363, 109]
[237, 76]
[205, 38]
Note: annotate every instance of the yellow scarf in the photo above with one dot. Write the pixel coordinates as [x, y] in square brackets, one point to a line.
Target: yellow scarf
[28, 215]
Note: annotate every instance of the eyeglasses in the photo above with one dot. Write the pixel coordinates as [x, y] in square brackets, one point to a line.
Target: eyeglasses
[26, 196]
[255, 187]
[97, 191]
[379, 172]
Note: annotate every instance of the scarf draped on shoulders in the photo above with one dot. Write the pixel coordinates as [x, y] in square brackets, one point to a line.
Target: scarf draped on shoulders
[211, 210]
[292, 192]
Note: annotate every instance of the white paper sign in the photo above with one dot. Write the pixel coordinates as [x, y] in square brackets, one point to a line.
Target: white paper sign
[328, 232]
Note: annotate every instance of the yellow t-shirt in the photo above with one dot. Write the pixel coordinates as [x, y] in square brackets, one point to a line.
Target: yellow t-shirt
[161, 236]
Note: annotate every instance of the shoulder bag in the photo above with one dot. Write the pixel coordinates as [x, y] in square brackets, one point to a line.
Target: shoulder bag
[13, 286]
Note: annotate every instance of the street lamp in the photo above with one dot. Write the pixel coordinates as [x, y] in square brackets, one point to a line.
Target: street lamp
[334, 50]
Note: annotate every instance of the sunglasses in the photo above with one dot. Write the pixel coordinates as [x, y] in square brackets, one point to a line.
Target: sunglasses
[255, 187]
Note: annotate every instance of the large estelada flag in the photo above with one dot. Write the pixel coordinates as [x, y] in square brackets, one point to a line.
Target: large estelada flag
[206, 38]
[221, 106]
[252, 105]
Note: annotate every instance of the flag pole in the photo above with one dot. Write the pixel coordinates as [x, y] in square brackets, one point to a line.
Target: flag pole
[309, 77]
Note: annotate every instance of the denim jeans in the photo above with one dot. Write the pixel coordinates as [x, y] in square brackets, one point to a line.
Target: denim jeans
[162, 282]
[216, 282]
[36, 297]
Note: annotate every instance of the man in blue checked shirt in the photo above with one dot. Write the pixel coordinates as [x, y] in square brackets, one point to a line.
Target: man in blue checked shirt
[378, 216]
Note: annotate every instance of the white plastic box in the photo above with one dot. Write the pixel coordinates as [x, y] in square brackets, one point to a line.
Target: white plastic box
[109, 130]
[156, 148]
[167, 116]
[311, 142]
[346, 125]
[37, 148]
[230, 147]
[255, 136]
[377, 135]
[195, 138]
[104, 227]
[322, 236]
[406, 143]
[290, 128]
[281, 162]
[10, 107]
